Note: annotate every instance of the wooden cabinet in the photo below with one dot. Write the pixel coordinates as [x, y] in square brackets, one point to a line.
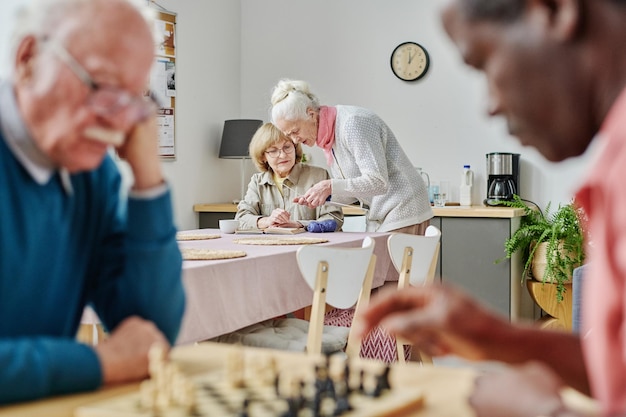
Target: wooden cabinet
[472, 239]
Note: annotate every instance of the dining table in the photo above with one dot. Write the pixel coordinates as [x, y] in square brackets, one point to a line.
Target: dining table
[225, 295]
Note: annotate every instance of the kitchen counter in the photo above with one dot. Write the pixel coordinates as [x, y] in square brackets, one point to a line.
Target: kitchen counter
[449, 211]
[478, 211]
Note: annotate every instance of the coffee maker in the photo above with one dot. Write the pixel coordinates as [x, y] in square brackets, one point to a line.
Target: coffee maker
[502, 177]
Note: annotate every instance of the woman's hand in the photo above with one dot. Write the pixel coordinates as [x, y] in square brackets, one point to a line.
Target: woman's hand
[316, 196]
[279, 217]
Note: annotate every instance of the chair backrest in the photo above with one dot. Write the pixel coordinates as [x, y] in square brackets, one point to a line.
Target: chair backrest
[415, 256]
[341, 277]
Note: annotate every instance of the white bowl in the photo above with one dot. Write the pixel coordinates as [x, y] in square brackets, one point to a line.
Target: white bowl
[229, 226]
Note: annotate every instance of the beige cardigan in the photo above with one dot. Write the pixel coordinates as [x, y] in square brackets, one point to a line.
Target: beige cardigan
[263, 197]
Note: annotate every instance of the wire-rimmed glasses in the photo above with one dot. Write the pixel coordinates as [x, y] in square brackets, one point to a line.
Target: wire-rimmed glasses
[287, 149]
[106, 100]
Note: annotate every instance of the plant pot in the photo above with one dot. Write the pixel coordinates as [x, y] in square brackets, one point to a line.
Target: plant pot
[539, 263]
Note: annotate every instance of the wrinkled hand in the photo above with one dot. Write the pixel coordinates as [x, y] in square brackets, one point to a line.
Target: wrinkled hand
[525, 391]
[315, 196]
[124, 354]
[278, 218]
[436, 319]
[141, 151]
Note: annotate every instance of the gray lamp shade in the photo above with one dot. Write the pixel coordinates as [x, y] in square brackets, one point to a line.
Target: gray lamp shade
[236, 137]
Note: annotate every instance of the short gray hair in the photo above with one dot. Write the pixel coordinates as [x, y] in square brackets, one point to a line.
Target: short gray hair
[39, 18]
[499, 10]
[291, 99]
[502, 10]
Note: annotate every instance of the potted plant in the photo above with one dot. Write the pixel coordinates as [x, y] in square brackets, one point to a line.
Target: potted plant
[557, 236]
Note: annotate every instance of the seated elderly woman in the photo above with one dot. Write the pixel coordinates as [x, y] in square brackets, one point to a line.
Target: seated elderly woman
[282, 177]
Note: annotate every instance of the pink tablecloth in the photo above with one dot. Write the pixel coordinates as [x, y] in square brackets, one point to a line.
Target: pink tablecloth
[226, 295]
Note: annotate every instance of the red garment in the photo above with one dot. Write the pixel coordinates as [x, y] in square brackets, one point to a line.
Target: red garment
[603, 198]
[326, 131]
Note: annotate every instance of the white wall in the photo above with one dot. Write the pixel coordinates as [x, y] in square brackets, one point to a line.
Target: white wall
[231, 53]
[343, 49]
[8, 8]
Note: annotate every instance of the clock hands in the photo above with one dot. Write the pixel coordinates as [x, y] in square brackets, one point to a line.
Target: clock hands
[410, 57]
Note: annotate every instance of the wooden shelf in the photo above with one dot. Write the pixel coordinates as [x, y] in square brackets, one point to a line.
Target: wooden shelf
[560, 312]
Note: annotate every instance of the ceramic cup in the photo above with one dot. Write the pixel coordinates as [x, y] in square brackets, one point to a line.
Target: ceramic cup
[228, 225]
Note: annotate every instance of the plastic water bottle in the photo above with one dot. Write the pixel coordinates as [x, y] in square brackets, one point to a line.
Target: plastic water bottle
[467, 180]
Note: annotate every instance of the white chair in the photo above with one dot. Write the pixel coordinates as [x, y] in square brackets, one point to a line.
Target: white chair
[340, 277]
[415, 258]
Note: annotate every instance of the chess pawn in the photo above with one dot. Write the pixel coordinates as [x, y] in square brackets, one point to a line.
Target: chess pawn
[147, 394]
[235, 368]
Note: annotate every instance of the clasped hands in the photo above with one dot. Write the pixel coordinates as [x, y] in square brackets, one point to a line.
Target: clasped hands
[278, 218]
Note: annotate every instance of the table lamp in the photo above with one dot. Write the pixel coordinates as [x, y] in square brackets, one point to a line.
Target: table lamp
[235, 141]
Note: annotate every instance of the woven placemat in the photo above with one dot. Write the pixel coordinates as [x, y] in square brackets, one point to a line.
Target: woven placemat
[280, 240]
[194, 254]
[195, 236]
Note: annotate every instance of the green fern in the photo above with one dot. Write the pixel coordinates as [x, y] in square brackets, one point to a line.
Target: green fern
[563, 232]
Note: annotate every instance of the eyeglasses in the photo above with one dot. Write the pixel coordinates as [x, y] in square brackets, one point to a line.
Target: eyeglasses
[105, 100]
[274, 152]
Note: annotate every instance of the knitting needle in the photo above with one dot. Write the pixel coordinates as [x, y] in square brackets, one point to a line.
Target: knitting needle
[327, 202]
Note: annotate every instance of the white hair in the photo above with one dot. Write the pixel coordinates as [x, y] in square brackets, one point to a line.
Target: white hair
[39, 18]
[291, 99]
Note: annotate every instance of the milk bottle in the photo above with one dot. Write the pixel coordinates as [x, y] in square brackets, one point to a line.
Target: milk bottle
[467, 180]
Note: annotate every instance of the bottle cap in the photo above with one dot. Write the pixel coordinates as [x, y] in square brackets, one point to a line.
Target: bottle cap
[466, 166]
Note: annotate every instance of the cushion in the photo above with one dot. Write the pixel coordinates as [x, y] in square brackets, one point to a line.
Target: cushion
[577, 297]
[286, 334]
[378, 344]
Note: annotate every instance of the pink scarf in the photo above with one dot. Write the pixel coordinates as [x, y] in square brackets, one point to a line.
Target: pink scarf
[326, 131]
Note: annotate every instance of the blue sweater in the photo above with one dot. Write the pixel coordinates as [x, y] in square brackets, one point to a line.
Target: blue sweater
[60, 252]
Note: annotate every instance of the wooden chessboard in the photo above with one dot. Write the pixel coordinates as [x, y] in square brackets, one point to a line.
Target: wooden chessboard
[260, 386]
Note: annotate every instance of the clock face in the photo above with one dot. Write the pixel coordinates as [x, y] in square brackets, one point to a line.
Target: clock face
[409, 61]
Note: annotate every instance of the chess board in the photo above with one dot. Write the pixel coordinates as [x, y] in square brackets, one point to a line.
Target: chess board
[259, 387]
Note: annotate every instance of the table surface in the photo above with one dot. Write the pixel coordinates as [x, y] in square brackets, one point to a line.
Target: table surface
[445, 389]
[226, 295]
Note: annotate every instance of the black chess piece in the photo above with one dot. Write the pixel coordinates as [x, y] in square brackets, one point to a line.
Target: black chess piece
[382, 382]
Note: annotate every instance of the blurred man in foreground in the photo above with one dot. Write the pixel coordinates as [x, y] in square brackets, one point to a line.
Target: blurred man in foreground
[79, 72]
[554, 70]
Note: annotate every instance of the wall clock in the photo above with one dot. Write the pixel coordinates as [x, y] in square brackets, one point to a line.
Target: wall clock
[409, 61]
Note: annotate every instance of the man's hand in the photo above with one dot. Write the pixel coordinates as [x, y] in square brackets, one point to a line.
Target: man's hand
[141, 151]
[436, 319]
[124, 355]
[525, 391]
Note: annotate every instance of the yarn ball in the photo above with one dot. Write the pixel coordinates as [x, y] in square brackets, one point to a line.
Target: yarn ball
[323, 226]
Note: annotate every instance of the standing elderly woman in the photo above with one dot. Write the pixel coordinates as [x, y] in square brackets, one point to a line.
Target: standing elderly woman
[365, 159]
[281, 178]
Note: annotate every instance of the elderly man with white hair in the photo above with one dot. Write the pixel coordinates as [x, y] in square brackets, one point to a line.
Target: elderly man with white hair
[79, 72]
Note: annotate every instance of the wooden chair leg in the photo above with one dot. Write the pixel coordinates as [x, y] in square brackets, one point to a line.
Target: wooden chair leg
[316, 323]
[91, 334]
[353, 348]
[85, 334]
[101, 333]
